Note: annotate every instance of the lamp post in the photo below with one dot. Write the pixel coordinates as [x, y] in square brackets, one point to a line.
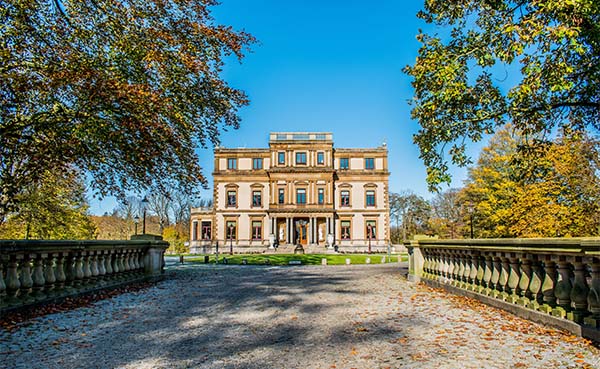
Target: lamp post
[471, 211]
[136, 220]
[369, 231]
[231, 239]
[144, 203]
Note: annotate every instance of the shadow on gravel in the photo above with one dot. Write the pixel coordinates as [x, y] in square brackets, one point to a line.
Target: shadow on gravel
[198, 321]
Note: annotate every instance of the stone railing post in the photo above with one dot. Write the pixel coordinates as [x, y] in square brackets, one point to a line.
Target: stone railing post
[415, 261]
[153, 263]
[563, 288]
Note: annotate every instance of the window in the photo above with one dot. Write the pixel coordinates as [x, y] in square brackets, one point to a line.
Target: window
[231, 230]
[231, 198]
[321, 196]
[371, 229]
[370, 198]
[345, 230]
[257, 163]
[256, 198]
[194, 231]
[281, 158]
[231, 163]
[369, 163]
[256, 230]
[300, 158]
[301, 196]
[320, 158]
[344, 163]
[281, 197]
[345, 198]
[206, 231]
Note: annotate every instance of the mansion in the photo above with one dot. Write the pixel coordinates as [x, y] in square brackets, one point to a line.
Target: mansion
[299, 191]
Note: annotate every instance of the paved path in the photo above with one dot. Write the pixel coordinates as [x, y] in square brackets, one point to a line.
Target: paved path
[289, 317]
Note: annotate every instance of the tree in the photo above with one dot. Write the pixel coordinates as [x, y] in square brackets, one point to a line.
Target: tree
[448, 213]
[125, 91]
[460, 94]
[410, 213]
[55, 208]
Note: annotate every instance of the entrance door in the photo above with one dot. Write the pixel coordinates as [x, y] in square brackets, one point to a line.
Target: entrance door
[302, 229]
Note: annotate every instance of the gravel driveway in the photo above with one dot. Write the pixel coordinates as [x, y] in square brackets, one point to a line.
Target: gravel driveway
[208, 316]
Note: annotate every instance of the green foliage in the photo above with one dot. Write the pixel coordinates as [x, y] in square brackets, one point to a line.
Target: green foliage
[459, 94]
[124, 91]
[176, 240]
[53, 209]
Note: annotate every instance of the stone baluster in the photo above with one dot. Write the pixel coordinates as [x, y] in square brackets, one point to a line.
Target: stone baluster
[474, 266]
[61, 277]
[101, 268]
[503, 279]
[437, 265]
[450, 277]
[94, 268]
[25, 278]
[87, 270]
[594, 296]
[480, 272]
[455, 268]
[494, 283]
[535, 285]
[127, 268]
[513, 280]
[108, 265]
[13, 284]
[38, 278]
[524, 281]
[446, 267]
[78, 271]
[487, 274]
[115, 265]
[426, 263]
[563, 289]
[460, 280]
[49, 275]
[120, 261]
[579, 292]
[467, 270]
[548, 286]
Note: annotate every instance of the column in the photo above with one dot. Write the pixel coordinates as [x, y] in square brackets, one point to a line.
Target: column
[287, 230]
[310, 231]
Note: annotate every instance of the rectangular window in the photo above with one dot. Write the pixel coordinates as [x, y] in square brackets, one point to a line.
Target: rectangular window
[320, 158]
[231, 230]
[281, 158]
[345, 198]
[231, 198]
[194, 231]
[345, 229]
[206, 231]
[256, 230]
[301, 196]
[369, 163]
[321, 196]
[281, 197]
[370, 198]
[371, 229]
[256, 198]
[257, 163]
[344, 163]
[300, 158]
[231, 163]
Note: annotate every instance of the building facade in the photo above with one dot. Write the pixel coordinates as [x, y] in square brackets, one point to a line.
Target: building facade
[300, 190]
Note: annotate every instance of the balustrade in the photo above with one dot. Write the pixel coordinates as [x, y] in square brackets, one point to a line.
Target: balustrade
[560, 277]
[35, 271]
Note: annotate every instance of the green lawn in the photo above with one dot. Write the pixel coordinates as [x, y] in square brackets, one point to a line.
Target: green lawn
[306, 259]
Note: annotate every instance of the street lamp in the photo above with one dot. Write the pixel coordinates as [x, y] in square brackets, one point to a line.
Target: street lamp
[144, 203]
[231, 239]
[369, 230]
[136, 220]
[471, 209]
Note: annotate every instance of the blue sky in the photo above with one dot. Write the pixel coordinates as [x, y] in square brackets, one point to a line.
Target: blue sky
[333, 66]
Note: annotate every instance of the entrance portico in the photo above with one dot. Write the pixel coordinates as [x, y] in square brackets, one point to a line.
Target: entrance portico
[303, 228]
